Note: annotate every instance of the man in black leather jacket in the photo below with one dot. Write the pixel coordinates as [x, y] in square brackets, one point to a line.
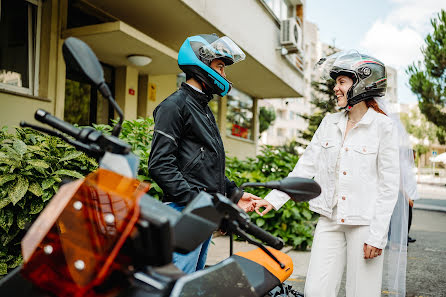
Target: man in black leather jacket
[187, 154]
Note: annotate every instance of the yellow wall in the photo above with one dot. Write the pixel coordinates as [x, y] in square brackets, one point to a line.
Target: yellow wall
[164, 86]
[15, 108]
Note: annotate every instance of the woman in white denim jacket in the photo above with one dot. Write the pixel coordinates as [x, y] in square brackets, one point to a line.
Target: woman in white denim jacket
[354, 157]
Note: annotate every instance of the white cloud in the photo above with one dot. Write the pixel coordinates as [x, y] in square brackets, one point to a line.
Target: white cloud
[394, 46]
[415, 14]
[398, 37]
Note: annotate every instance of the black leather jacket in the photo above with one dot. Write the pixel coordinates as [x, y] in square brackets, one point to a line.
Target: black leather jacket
[187, 154]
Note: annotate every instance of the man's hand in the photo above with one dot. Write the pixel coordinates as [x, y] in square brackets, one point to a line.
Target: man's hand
[411, 203]
[265, 204]
[371, 252]
[248, 202]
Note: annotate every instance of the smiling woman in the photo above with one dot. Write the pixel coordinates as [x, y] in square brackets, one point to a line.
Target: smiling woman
[354, 156]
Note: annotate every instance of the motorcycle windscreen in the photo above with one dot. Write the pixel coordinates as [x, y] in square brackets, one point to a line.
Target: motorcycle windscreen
[73, 244]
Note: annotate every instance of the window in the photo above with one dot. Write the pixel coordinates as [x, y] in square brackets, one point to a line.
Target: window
[84, 104]
[279, 8]
[280, 132]
[239, 118]
[19, 45]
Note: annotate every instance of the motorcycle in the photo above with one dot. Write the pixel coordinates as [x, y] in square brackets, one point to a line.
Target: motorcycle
[104, 236]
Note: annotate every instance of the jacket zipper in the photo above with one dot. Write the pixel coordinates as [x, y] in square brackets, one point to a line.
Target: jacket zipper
[189, 164]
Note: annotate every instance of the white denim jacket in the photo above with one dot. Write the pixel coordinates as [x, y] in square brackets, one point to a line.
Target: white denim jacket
[368, 172]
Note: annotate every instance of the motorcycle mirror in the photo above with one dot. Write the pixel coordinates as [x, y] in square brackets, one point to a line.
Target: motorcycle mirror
[299, 189]
[80, 58]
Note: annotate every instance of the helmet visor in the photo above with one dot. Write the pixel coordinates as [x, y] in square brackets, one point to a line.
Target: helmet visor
[339, 63]
[223, 48]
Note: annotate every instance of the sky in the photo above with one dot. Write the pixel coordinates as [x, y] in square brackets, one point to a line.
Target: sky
[392, 31]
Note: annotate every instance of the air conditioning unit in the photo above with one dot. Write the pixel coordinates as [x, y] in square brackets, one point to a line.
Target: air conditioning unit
[291, 35]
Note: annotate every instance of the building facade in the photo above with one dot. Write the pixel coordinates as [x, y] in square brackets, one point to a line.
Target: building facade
[33, 73]
[288, 111]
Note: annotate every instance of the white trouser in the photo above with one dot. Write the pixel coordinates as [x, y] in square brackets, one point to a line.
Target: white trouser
[334, 246]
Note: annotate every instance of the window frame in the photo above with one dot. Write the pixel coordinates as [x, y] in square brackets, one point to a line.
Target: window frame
[33, 52]
[252, 121]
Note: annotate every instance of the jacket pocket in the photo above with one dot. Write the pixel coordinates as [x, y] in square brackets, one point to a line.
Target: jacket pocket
[194, 161]
[365, 160]
[329, 154]
[366, 149]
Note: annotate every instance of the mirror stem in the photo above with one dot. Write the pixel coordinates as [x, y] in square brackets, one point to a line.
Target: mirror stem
[105, 91]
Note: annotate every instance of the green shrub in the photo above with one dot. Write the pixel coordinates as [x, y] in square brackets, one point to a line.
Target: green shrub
[138, 133]
[31, 167]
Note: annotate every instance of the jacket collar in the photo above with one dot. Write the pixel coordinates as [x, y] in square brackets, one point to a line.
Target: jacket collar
[202, 98]
[341, 117]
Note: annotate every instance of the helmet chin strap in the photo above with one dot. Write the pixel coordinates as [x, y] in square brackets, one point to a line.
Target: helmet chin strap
[348, 106]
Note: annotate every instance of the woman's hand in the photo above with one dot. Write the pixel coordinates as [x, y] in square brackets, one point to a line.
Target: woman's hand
[248, 202]
[371, 252]
[265, 204]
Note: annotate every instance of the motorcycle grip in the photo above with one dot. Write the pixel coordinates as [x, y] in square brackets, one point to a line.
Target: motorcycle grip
[264, 236]
[47, 118]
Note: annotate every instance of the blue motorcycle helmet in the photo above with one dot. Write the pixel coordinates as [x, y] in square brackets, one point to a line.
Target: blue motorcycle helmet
[197, 53]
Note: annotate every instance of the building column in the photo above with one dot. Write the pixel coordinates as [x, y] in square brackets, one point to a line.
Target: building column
[126, 91]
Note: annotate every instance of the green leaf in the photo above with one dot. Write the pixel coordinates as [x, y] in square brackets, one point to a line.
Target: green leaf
[7, 238]
[38, 163]
[18, 190]
[65, 172]
[22, 219]
[7, 178]
[47, 183]
[71, 155]
[307, 214]
[19, 146]
[260, 222]
[9, 161]
[15, 261]
[4, 201]
[3, 268]
[6, 219]
[36, 206]
[11, 153]
[36, 189]
[47, 195]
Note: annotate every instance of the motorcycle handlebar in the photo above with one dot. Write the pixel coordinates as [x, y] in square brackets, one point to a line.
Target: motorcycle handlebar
[47, 118]
[264, 236]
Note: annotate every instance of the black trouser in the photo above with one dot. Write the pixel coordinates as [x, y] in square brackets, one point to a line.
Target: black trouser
[410, 220]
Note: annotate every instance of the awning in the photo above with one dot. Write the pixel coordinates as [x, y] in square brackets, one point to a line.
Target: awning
[113, 42]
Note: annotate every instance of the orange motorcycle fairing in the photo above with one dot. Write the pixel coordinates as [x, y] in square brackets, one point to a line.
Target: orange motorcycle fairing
[261, 258]
[74, 243]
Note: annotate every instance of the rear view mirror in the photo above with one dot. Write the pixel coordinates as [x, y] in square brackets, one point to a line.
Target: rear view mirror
[80, 58]
[299, 189]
